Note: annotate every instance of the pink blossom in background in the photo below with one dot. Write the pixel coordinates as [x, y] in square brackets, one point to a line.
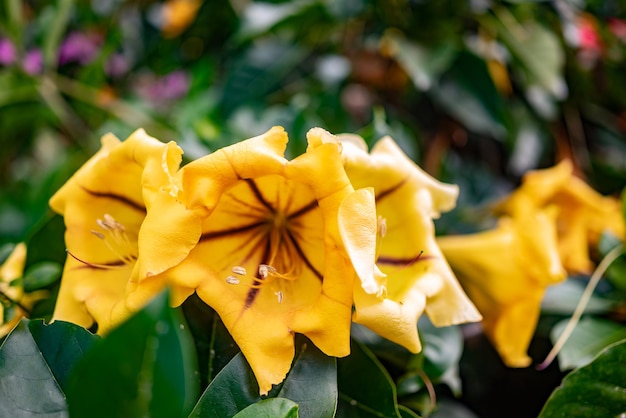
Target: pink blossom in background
[165, 89]
[80, 48]
[618, 28]
[33, 62]
[7, 52]
[588, 38]
[116, 65]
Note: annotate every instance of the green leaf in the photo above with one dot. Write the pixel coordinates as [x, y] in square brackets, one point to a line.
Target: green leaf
[590, 336]
[562, 298]
[27, 386]
[62, 344]
[616, 273]
[233, 389]
[468, 93]
[422, 64]
[365, 387]
[597, 390]
[407, 412]
[143, 368]
[271, 408]
[41, 275]
[311, 383]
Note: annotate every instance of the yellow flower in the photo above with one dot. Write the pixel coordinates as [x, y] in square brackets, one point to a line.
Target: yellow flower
[583, 214]
[505, 272]
[418, 278]
[177, 15]
[13, 295]
[103, 205]
[263, 243]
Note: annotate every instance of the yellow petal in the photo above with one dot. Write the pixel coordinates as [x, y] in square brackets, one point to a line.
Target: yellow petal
[13, 266]
[103, 205]
[505, 272]
[418, 277]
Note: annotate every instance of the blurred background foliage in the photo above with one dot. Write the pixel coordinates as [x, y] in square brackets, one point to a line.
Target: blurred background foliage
[476, 91]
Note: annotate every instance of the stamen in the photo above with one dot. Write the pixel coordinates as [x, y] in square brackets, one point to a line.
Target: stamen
[239, 270]
[279, 295]
[98, 234]
[95, 265]
[232, 280]
[381, 225]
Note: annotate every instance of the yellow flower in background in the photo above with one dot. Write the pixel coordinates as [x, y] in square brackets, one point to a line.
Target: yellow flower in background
[418, 278]
[505, 272]
[103, 205]
[177, 15]
[13, 295]
[583, 214]
[262, 236]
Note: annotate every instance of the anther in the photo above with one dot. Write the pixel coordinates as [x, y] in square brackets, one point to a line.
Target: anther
[239, 270]
[382, 226]
[232, 280]
[279, 295]
[98, 234]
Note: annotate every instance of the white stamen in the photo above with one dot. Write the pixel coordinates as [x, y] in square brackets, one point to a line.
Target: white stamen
[239, 270]
[279, 295]
[98, 234]
[232, 280]
[382, 226]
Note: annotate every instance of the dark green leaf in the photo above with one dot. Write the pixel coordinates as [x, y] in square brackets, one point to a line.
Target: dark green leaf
[468, 93]
[62, 344]
[41, 275]
[233, 389]
[597, 390]
[271, 408]
[616, 273]
[365, 388]
[143, 368]
[27, 386]
[562, 298]
[312, 382]
[590, 336]
[406, 412]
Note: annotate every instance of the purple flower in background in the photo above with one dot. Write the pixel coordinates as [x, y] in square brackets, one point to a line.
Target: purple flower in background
[79, 47]
[33, 62]
[163, 90]
[116, 66]
[7, 52]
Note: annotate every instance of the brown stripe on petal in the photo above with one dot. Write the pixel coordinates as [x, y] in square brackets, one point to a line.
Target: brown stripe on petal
[403, 262]
[304, 210]
[254, 291]
[120, 199]
[387, 192]
[232, 231]
[259, 195]
[303, 256]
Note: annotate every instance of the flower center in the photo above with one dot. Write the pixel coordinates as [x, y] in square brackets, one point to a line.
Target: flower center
[266, 233]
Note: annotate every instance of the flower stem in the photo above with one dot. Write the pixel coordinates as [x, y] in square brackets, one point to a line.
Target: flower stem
[580, 308]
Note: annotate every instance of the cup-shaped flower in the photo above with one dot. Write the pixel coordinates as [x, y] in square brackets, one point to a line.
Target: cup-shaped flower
[583, 214]
[103, 205]
[263, 246]
[505, 272]
[418, 278]
[14, 302]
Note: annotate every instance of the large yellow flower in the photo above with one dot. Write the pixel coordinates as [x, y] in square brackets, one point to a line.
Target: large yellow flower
[583, 214]
[11, 294]
[263, 245]
[103, 205]
[418, 278]
[505, 272]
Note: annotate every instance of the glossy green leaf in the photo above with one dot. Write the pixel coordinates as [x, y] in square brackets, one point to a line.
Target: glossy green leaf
[616, 273]
[41, 275]
[590, 336]
[271, 408]
[562, 298]
[62, 344]
[311, 383]
[365, 387]
[146, 367]
[27, 386]
[233, 389]
[468, 93]
[597, 390]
